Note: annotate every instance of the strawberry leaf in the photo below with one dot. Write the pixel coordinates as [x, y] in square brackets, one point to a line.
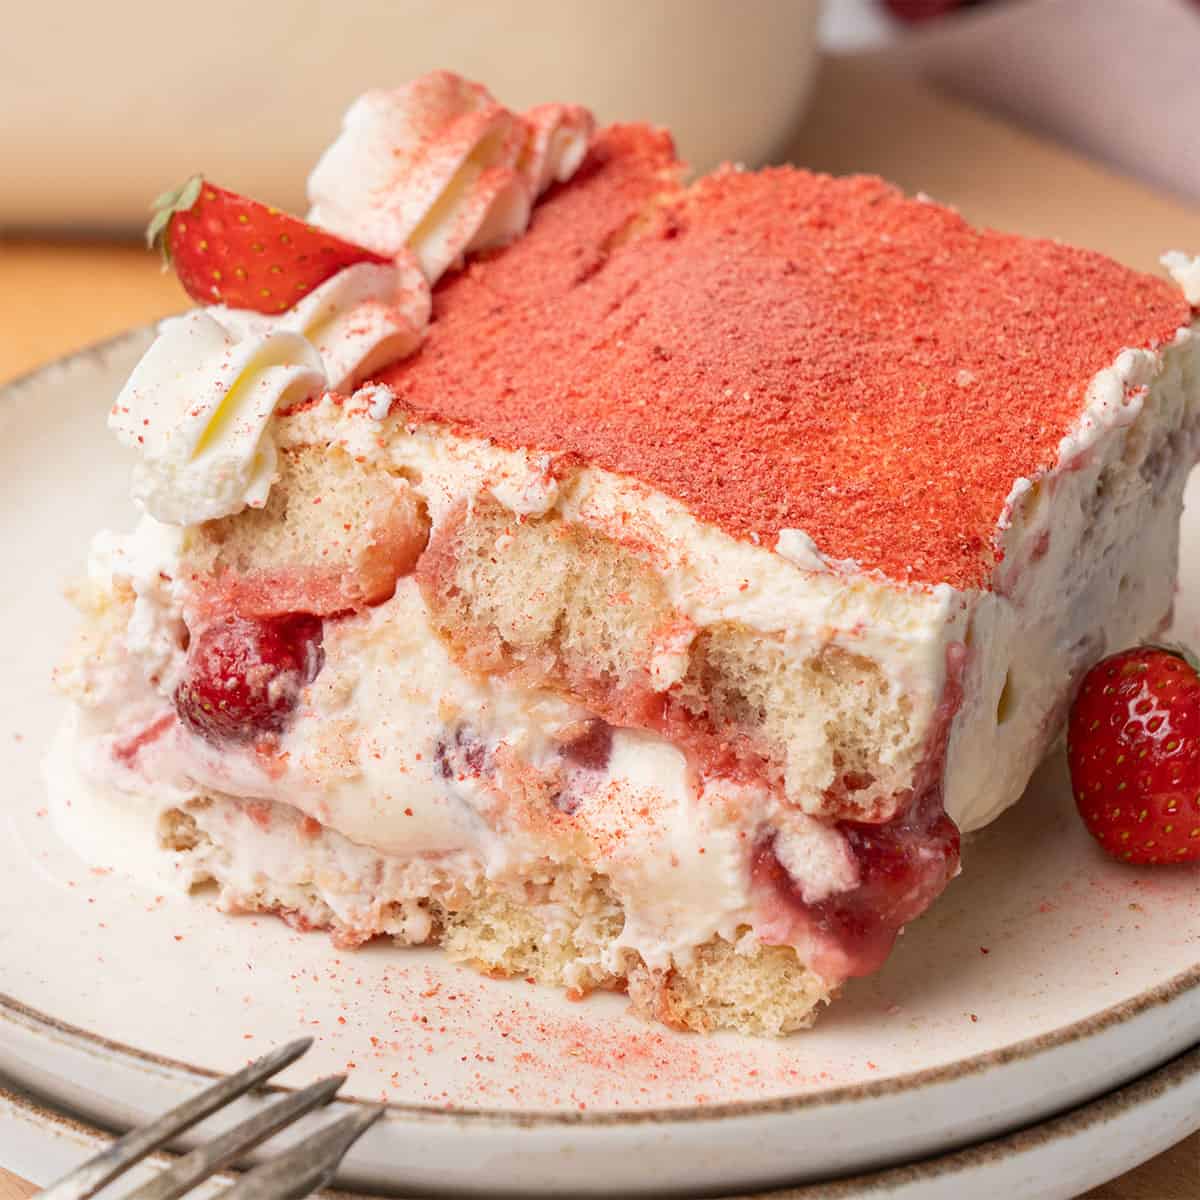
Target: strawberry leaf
[174, 201]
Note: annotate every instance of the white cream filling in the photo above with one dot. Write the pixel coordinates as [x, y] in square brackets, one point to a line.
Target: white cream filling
[1077, 579]
[365, 757]
[147, 560]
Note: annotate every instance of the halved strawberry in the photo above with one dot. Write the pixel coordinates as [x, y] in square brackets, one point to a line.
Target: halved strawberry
[228, 249]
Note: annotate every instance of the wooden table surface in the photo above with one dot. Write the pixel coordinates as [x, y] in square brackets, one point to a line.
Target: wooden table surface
[56, 296]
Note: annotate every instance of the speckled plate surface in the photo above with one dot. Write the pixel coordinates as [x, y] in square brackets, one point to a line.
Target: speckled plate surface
[1045, 976]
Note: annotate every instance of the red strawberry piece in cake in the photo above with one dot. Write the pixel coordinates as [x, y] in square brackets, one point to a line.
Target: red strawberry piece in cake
[244, 676]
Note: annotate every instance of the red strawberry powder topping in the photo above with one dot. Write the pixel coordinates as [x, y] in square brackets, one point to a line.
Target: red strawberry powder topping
[785, 350]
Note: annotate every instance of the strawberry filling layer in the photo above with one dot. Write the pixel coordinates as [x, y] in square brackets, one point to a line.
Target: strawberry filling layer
[903, 865]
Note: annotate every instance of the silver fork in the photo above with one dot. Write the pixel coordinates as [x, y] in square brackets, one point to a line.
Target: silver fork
[301, 1169]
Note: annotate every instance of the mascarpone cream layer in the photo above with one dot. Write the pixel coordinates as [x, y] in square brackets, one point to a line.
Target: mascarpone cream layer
[709, 577]
[397, 749]
[1089, 555]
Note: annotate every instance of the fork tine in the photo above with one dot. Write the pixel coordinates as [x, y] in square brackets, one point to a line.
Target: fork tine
[307, 1166]
[109, 1164]
[228, 1147]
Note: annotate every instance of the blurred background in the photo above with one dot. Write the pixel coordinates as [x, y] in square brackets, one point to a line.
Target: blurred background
[103, 105]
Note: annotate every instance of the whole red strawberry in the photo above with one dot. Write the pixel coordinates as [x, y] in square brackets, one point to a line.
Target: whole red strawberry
[243, 676]
[1133, 745]
[227, 249]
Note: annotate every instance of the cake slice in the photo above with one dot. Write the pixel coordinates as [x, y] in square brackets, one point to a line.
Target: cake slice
[721, 555]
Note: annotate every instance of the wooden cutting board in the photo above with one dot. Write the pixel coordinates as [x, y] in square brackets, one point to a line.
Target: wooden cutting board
[56, 296]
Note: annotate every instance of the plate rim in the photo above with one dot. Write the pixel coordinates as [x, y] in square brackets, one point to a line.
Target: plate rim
[1175, 1072]
[16, 1012]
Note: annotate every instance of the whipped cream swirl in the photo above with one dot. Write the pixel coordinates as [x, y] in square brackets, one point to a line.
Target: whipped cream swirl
[442, 169]
[198, 410]
[559, 135]
[362, 318]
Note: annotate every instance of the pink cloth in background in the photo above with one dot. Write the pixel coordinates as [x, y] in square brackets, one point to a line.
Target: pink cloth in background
[1118, 80]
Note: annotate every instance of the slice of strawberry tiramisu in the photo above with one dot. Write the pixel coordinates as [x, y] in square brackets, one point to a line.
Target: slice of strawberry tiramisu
[623, 583]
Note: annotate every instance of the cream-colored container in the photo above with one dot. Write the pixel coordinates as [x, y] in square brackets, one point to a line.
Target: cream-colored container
[102, 106]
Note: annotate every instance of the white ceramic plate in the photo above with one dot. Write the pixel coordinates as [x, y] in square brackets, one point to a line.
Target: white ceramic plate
[1053, 1160]
[1046, 976]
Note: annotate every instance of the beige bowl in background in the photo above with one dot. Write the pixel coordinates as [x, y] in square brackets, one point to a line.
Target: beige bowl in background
[102, 106]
